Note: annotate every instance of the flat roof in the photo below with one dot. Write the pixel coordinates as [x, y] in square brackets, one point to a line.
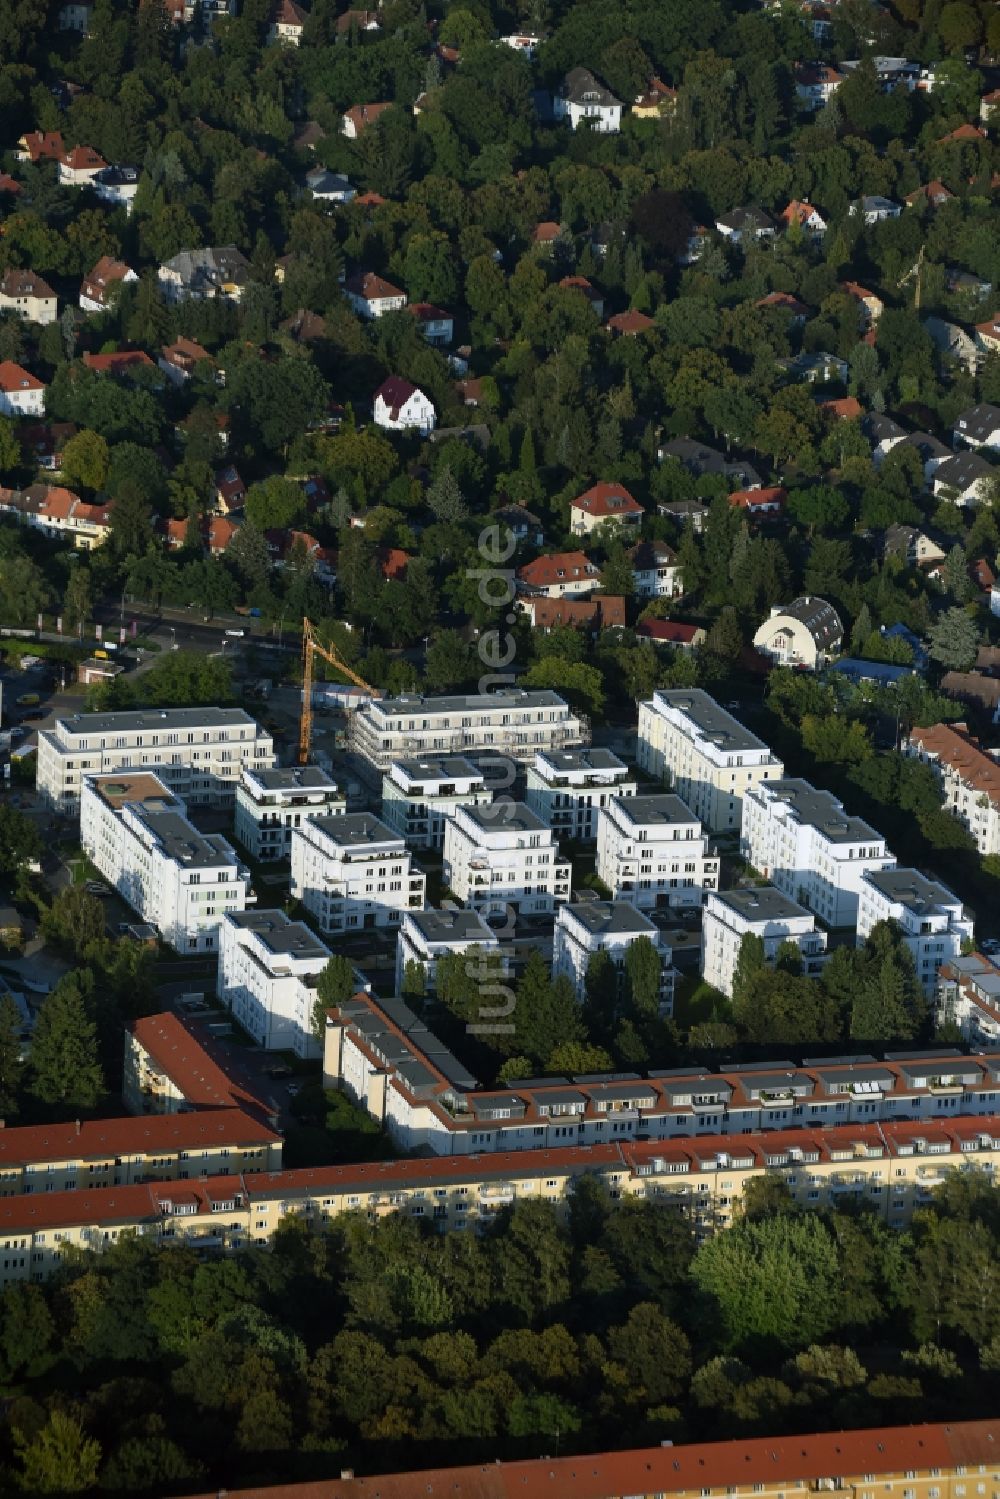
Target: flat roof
[606, 918]
[822, 811]
[515, 816]
[139, 786]
[279, 933]
[908, 887]
[439, 768]
[475, 702]
[181, 841]
[156, 718]
[759, 903]
[292, 778]
[579, 759]
[662, 809]
[354, 828]
[710, 720]
[451, 926]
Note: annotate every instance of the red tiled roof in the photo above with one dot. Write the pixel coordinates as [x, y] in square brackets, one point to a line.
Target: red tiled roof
[288, 13]
[363, 115]
[82, 159]
[371, 287]
[9, 184]
[545, 233]
[371, 200]
[43, 145]
[782, 299]
[220, 533]
[845, 407]
[177, 1051]
[131, 1136]
[630, 322]
[426, 312]
[797, 211]
[393, 561]
[606, 500]
[105, 273]
[114, 364]
[559, 567]
[963, 133]
[395, 392]
[953, 746]
[603, 613]
[755, 499]
[14, 377]
[26, 284]
[184, 351]
[671, 631]
[983, 574]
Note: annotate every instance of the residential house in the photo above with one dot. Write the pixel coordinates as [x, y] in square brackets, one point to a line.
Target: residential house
[288, 20]
[356, 120]
[230, 491]
[120, 364]
[268, 969]
[978, 426]
[502, 857]
[523, 524]
[560, 575]
[27, 295]
[972, 289]
[79, 166]
[656, 571]
[816, 369]
[329, 187]
[709, 758]
[805, 217]
[568, 788]
[695, 247]
[271, 803]
[179, 360]
[603, 504]
[951, 340]
[966, 478]
[843, 409]
[424, 937]
[116, 185]
[582, 285]
[9, 185]
[400, 406]
[683, 513]
[962, 133]
[514, 723]
[760, 504]
[870, 305]
[875, 209]
[629, 324]
[418, 796]
[975, 688]
[931, 451]
[932, 921]
[698, 458]
[785, 302]
[746, 226]
[201, 275]
[75, 17]
[545, 235]
[40, 145]
[805, 633]
[43, 444]
[931, 194]
[59, 513]
[671, 632]
[582, 100]
[809, 848]
[762, 911]
[371, 296]
[586, 927]
[652, 852]
[605, 612]
[523, 43]
[989, 105]
[969, 778]
[988, 335]
[353, 873]
[883, 434]
[96, 289]
[21, 393]
[437, 326]
[816, 84]
[909, 637]
[358, 20]
[878, 673]
[658, 101]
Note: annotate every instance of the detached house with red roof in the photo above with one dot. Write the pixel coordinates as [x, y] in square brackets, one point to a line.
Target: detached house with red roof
[602, 504]
[40, 145]
[287, 21]
[629, 324]
[230, 491]
[560, 575]
[21, 393]
[804, 217]
[96, 288]
[79, 166]
[670, 632]
[760, 504]
[371, 296]
[27, 295]
[437, 326]
[400, 406]
[121, 364]
[656, 570]
[179, 360]
[816, 84]
[355, 121]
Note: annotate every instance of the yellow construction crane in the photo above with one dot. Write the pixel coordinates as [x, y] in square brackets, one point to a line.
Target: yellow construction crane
[311, 647]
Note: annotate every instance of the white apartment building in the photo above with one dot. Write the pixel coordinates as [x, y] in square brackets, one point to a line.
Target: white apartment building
[709, 758]
[515, 723]
[568, 788]
[768, 914]
[970, 779]
[271, 803]
[197, 752]
[353, 873]
[268, 965]
[179, 880]
[652, 852]
[504, 856]
[932, 921]
[418, 796]
[968, 995]
[587, 927]
[804, 842]
[426, 936]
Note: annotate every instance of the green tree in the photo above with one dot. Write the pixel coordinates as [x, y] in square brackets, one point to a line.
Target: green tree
[545, 1015]
[74, 920]
[20, 841]
[275, 504]
[953, 639]
[77, 600]
[85, 460]
[581, 684]
[58, 1459]
[65, 1070]
[335, 985]
[10, 448]
[413, 984]
[11, 1066]
[643, 975]
[749, 965]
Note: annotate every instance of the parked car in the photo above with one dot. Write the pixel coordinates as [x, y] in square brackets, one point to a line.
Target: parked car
[279, 1071]
[97, 887]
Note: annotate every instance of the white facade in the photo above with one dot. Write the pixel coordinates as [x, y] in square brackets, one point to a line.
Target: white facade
[271, 803]
[805, 633]
[515, 723]
[418, 796]
[651, 851]
[766, 913]
[656, 571]
[179, 880]
[592, 926]
[412, 409]
[426, 936]
[117, 185]
[931, 919]
[29, 297]
[969, 779]
[568, 788]
[268, 965]
[353, 873]
[197, 752]
[21, 393]
[584, 101]
[503, 856]
[709, 758]
[810, 849]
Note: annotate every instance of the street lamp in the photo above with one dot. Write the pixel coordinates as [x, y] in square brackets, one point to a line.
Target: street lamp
[173, 636]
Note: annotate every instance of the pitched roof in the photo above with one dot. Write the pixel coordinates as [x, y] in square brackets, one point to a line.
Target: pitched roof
[545, 232]
[651, 554]
[559, 567]
[26, 284]
[371, 288]
[952, 745]
[115, 364]
[783, 299]
[127, 1136]
[176, 1050]
[363, 115]
[798, 211]
[395, 392]
[82, 159]
[607, 501]
[934, 192]
[844, 407]
[289, 13]
[963, 133]
[43, 145]
[184, 351]
[105, 273]
[604, 613]
[657, 94]
[756, 499]
[630, 322]
[670, 631]
[393, 561]
[581, 87]
[14, 377]
[9, 184]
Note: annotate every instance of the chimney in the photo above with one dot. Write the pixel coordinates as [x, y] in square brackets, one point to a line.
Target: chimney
[78, 1126]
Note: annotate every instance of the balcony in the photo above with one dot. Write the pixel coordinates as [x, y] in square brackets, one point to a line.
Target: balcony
[499, 1192]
